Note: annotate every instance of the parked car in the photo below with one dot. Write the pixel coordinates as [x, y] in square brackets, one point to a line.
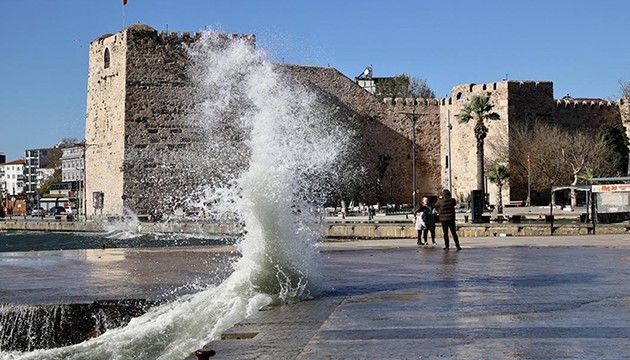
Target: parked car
[38, 212]
[57, 210]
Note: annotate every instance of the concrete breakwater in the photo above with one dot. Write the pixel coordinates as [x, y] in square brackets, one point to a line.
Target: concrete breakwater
[333, 229]
[31, 327]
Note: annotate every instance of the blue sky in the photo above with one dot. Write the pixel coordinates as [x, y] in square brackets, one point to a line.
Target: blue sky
[580, 45]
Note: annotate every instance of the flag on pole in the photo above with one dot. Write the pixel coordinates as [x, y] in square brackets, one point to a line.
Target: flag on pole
[124, 2]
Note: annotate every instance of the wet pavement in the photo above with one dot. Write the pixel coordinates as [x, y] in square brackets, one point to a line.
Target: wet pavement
[499, 298]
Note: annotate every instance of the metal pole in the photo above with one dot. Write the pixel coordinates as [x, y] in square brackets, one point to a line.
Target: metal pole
[529, 184]
[413, 158]
[551, 214]
[84, 187]
[391, 189]
[413, 151]
[448, 160]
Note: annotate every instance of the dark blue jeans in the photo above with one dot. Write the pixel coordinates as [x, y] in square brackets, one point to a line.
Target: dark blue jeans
[426, 231]
[446, 226]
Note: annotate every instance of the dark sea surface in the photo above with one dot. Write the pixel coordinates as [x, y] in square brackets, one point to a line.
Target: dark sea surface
[56, 268]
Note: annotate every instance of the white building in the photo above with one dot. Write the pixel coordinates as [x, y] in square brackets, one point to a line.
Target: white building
[12, 177]
[72, 163]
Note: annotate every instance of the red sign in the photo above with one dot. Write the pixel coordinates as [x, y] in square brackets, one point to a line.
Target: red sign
[611, 188]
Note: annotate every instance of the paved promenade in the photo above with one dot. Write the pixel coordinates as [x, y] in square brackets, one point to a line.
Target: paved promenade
[499, 298]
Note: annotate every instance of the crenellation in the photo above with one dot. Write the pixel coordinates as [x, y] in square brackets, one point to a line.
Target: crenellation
[587, 104]
[403, 102]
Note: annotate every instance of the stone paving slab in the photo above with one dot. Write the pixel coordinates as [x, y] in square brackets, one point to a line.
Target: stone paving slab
[542, 298]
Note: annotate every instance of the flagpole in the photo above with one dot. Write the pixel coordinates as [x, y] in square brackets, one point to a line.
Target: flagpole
[123, 14]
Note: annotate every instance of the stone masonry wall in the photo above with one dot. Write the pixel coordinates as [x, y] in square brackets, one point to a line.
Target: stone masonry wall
[399, 119]
[576, 113]
[159, 98]
[105, 130]
[463, 143]
[145, 162]
[386, 132]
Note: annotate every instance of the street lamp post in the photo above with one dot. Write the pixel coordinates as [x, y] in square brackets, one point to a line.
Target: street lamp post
[529, 183]
[391, 189]
[414, 117]
[448, 156]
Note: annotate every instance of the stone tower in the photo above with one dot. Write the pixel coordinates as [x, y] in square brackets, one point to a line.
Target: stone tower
[516, 102]
[137, 136]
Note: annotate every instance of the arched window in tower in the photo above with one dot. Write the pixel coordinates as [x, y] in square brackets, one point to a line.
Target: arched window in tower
[106, 58]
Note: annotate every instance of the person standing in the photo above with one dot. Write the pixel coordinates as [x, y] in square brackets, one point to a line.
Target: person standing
[418, 214]
[429, 221]
[445, 207]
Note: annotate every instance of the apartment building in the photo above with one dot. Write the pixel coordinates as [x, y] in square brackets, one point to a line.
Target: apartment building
[12, 177]
[34, 160]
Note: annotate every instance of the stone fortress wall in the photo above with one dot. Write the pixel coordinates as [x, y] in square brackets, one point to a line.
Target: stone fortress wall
[137, 132]
[138, 135]
[516, 102]
[105, 122]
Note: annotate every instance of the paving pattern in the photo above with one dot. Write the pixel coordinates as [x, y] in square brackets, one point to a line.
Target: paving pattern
[536, 298]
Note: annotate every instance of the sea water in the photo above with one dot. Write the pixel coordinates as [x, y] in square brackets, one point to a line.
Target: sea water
[274, 145]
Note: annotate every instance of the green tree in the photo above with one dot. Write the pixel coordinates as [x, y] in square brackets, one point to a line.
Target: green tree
[479, 109]
[402, 86]
[45, 188]
[624, 89]
[590, 173]
[418, 88]
[615, 138]
[499, 175]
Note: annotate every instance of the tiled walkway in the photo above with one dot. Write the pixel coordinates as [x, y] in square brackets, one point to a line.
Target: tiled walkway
[499, 298]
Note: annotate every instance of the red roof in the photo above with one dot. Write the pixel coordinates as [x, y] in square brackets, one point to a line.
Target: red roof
[15, 162]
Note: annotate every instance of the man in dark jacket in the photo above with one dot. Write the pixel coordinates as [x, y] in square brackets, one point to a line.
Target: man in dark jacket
[445, 207]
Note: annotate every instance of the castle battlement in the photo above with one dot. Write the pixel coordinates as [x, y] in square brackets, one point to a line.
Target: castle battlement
[186, 37]
[465, 90]
[174, 36]
[141, 30]
[400, 102]
[584, 104]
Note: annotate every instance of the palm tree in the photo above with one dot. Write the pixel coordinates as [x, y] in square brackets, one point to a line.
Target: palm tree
[498, 175]
[480, 109]
[590, 173]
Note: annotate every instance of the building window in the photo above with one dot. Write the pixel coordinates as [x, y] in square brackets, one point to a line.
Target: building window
[106, 58]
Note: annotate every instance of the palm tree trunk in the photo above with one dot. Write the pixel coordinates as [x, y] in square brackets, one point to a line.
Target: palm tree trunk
[480, 166]
[499, 198]
[480, 134]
